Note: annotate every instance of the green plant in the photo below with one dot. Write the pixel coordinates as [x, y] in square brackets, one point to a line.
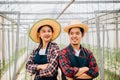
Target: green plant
[12, 58]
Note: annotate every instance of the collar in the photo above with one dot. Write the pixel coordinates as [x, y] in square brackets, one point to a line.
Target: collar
[71, 48]
[82, 52]
[40, 45]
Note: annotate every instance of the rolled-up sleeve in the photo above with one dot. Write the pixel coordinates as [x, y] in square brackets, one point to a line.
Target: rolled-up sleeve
[30, 66]
[93, 67]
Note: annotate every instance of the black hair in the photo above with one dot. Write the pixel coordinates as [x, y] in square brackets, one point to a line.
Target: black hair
[43, 26]
[81, 29]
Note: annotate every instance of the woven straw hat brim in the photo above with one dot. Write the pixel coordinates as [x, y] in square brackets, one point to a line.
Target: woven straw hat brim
[85, 27]
[53, 23]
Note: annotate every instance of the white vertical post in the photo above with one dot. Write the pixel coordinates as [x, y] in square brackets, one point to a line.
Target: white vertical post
[99, 49]
[17, 45]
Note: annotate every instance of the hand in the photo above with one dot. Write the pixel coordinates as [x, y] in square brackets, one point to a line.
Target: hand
[81, 71]
[42, 66]
[68, 78]
[84, 76]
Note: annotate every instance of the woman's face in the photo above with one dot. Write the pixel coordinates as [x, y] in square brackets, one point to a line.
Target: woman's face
[45, 34]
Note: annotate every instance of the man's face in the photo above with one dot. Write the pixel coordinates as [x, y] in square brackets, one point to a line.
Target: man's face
[75, 36]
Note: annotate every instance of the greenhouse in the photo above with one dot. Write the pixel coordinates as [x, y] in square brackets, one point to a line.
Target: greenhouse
[17, 17]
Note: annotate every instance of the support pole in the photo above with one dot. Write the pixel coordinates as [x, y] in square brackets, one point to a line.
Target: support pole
[9, 53]
[12, 38]
[116, 50]
[17, 45]
[99, 49]
[116, 21]
[3, 43]
[65, 9]
[27, 50]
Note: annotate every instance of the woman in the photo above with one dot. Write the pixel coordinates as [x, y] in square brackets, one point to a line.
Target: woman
[43, 62]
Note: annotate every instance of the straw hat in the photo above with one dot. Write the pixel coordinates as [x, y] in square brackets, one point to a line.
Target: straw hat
[53, 23]
[76, 23]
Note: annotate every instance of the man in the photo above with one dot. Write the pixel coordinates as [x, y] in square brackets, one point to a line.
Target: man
[77, 62]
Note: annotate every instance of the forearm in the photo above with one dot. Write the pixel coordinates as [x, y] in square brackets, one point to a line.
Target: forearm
[68, 78]
[31, 68]
[50, 70]
[93, 72]
[42, 66]
[81, 71]
[84, 76]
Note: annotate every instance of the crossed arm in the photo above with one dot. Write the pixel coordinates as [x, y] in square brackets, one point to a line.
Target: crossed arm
[81, 74]
[48, 69]
[75, 72]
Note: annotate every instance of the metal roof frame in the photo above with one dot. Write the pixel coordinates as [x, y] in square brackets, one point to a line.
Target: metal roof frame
[57, 2]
